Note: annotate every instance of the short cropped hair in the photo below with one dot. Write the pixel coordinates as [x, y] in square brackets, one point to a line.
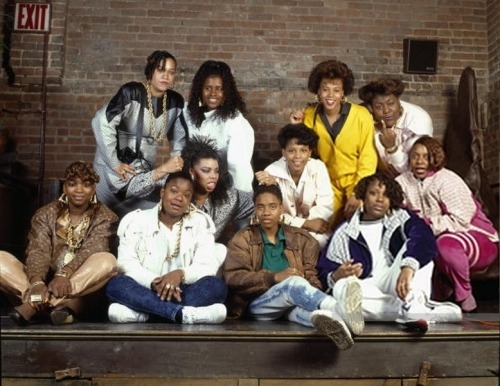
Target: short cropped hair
[82, 170]
[304, 135]
[272, 189]
[156, 60]
[331, 69]
[381, 86]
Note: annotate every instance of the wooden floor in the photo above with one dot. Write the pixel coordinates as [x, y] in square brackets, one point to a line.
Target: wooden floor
[245, 350]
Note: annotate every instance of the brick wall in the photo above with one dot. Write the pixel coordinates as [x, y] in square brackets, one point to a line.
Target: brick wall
[96, 45]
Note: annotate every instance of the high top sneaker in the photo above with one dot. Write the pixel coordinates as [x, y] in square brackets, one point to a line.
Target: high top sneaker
[118, 313]
[418, 308]
[332, 325]
[214, 314]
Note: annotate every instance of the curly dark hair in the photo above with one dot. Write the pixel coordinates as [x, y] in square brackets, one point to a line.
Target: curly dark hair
[273, 189]
[381, 86]
[156, 60]
[393, 190]
[304, 135]
[233, 102]
[82, 170]
[331, 69]
[203, 147]
[437, 157]
[85, 172]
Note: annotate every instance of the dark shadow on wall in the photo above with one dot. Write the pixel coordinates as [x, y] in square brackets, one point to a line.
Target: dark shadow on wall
[462, 145]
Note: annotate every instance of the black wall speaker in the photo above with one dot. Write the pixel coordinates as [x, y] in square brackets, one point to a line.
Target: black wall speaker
[420, 56]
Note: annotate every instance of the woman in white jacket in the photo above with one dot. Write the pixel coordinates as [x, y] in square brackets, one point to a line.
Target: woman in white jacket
[215, 109]
[304, 182]
[167, 255]
[398, 124]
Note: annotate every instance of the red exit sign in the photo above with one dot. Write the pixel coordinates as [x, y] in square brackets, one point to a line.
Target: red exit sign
[32, 17]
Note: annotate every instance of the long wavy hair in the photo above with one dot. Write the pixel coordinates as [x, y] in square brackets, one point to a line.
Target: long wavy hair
[233, 102]
[202, 147]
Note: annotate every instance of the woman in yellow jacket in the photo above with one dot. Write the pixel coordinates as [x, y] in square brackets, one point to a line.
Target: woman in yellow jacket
[346, 134]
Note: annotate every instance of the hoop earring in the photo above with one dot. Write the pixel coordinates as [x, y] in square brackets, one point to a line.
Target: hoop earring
[63, 199]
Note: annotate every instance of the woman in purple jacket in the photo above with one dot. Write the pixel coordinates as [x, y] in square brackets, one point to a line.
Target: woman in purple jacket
[391, 250]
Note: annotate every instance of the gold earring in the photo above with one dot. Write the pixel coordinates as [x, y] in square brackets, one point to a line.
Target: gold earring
[200, 103]
[63, 199]
[93, 200]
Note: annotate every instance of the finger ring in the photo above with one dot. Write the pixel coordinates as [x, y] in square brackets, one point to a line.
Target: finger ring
[35, 298]
[177, 288]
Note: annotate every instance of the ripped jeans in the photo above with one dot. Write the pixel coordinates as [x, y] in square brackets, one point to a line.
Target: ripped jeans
[294, 298]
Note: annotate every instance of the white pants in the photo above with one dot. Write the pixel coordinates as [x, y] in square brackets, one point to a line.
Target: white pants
[380, 300]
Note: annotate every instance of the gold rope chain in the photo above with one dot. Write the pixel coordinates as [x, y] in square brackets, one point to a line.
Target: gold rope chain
[177, 242]
[83, 223]
[156, 133]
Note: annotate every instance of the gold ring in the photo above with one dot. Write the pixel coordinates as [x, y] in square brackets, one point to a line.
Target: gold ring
[35, 298]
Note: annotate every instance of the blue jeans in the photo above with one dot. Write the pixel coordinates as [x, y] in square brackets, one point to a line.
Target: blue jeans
[295, 298]
[206, 291]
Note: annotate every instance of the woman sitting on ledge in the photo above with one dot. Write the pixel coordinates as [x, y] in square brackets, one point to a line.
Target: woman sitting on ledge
[466, 238]
[67, 256]
[167, 255]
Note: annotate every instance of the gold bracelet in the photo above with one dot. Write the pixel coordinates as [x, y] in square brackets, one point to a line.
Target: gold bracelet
[36, 283]
[62, 274]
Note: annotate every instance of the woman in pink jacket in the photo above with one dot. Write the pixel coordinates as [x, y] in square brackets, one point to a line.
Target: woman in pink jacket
[466, 238]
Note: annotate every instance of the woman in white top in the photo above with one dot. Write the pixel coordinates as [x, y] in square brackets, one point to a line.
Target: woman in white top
[215, 109]
[398, 124]
[304, 182]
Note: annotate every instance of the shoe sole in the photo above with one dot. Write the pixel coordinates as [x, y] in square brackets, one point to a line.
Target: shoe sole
[353, 307]
[417, 325]
[334, 330]
[59, 317]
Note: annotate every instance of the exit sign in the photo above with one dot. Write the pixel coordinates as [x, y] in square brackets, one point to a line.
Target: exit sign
[32, 17]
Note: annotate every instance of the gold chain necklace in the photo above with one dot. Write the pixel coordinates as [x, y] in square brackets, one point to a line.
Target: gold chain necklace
[177, 242]
[156, 133]
[74, 245]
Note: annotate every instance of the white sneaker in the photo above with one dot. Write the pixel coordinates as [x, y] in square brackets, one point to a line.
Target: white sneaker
[214, 314]
[118, 313]
[418, 307]
[444, 312]
[333, 327]
[352, 305]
